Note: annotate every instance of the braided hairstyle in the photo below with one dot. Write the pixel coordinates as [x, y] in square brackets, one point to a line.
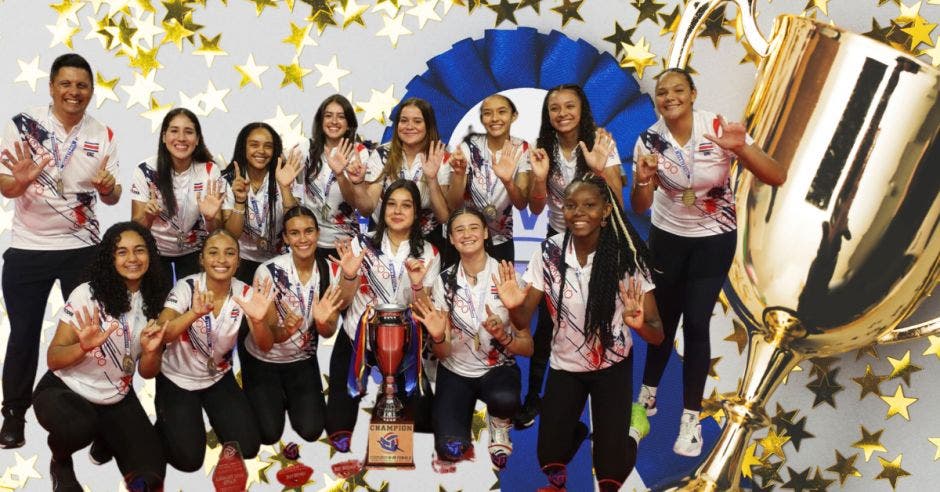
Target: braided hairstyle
[415, 238]
[110, 289]
[240, 155]
[620, 250]
[548, 138]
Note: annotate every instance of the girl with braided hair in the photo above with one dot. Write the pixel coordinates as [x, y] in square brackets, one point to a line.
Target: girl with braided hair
[595, 278]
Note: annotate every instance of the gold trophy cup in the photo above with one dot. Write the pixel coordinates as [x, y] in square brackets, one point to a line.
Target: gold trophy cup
[391, 430]
[839, 255]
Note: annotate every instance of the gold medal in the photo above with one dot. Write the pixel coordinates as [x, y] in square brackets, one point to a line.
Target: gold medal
[127, 365]
[211, 367]
[688, 197]
[263, 244]
[489, 212]
[325, 211]
[59, 187]
[180, 241]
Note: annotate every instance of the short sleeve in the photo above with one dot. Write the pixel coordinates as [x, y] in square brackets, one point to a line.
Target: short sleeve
[228, 201]
[614, 158]
[78, 299]
[443, 175]
[374, 167]
[114, 163]
[181, 297]
[437, 294]
[523, 165]
[533, 273]
[140, 187]
[262, 273]
[434, 266]
[7, 138]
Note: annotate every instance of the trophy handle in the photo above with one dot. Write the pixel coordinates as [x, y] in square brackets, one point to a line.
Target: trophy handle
[927, 328]
[695, 14]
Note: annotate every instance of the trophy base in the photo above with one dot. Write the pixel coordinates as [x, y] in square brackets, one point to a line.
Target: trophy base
[391, 444]
[693, 484]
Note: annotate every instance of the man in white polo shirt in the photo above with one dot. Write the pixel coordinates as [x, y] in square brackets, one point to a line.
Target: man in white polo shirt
[57, 163]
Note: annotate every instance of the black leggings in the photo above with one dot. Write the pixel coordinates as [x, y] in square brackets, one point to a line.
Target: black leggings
[689, 273]
[272, 388]
[123, 427]
[614, 451]
[542, 338]
[180, 422]
[342, 410]
[454, 401]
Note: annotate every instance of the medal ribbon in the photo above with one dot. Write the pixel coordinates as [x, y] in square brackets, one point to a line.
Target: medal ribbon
[127, 342]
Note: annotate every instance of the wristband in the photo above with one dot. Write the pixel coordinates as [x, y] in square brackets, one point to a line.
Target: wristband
[643, 183]
[435, 342]
[419, 288]
[512, 338]
[354, 277]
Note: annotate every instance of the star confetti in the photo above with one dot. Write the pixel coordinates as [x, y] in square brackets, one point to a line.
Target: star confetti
[30, 72]
[902, 368]
[505, 11]
[825, 387]
[891, 470]
[393, 28]
[569, 10]
[773, 444]
[250, 72]
[648, 9]
[331, 73]
[844, 467]
[210, 48]
[294, 74]
[424, 11]
[898, 403]
[870, 383]
[299, 37]
[104, 89]
[750, 460]
[619, 36]
[637, 56]
[869, 443]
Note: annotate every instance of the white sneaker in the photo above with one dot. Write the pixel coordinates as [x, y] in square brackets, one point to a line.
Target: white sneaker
[689, 442]
[647, 398]
[500, 443]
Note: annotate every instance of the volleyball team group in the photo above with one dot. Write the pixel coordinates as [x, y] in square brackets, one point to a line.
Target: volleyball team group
[264, 256]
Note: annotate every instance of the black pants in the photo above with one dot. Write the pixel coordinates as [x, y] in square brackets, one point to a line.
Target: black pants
[342, 410]
[614, 451]
[689, 273]
[273, 388]
[246, 271]
[505, 251]
[542, 340]
[177, 267]
[74, 422]
[456, 396]
[28, 276]
[180, 424]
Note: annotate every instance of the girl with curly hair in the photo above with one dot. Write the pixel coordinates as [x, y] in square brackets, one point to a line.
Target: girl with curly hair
[580, 274]
[106, 332]
[398, 266]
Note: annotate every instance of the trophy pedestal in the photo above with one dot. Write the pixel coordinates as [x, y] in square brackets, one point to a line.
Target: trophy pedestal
[391, 443]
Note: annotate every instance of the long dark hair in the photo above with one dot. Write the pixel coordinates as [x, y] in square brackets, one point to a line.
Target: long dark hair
[240, 155]
[548, 139]
[318, 142]
[394, 162]
[299, 211]
[620, 250]
[450, 279]
[415, 239]
[110, 289]
[165, 160]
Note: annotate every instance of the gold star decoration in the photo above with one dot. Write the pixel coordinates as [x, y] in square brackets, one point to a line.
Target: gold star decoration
[714, 26]
[212, 98]
[891, 470]
[773, 444]
[821, 5]
[798, 480]
[155, 115]
[139, 92]
[713, 368]
[637, 56]
[769, 472]
[478, 424]
[326, 441]
[279, 456]
[299, 37]
[821, 366]
[920, 30]
[871, 349]
[670, 24]
[104, 89]
[844, 467]
[569, 10]
[898, 403]
[62, 32]
[250, 72]
[619, 36]
[321, 13]
[505, 11]
[819, 482]
[176, 9]
[530, 3]
[210, 48]
[331, 73]
[260, 5]
[126, 32]
[393, 28]
[175, 33]
[712, 407]
[352, 13]
[30, 72]
[146, 60]
[824, 388]
[870, 383]
[104, 30]
[648, 9]
[934, 340]
[294, 74]
[146, 31]
[357, 481]
[877, 33]
[782, 417]
[24, 469]
[473, 4]
[257, 471]
[907, 14]
[424, 11]
[796, 431]
[750, 460]
[936, 442]
[378, 107]
[68, 10]
[869, 443]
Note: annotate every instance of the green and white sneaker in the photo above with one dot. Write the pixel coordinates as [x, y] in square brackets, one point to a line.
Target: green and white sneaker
[639, 424]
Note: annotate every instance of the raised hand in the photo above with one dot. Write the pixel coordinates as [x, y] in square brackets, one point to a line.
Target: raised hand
[416, 271]
[458, 162]
[90, 335]
[435, 159]
[733, 135]
[104, 181]
[646, 167]
[495, 327]
[239, 184]
[507, 286]
[505, 167]
[326, 307]
[538, 159]
[210, 202]
[203, 301]
[603, 146]
[288, 169]
[292, 320]
[339, 158]
[631, 296]
[24, 170]
[433, 319]
[347, 261]
[151, 337]
[256, 308]
[356, 171]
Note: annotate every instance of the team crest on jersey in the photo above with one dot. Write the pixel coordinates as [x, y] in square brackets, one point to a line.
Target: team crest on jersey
[91, 148]
[198, 186]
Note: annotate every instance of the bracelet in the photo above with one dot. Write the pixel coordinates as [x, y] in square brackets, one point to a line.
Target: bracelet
[435, 342]
[643, 183]
[354, 277]
[419, 288]
[512, 338]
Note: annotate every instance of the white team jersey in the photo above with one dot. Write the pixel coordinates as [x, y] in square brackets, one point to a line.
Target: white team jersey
[99, 376]
[569, 350]
[557, 182]
[384, 279]
[46, 218]
[485, 188]
[411, 171]
[255, 231]
[473, 350]
[336, 218]
[289, 290]
[185, 232]
[700, 165]
[210, 338]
